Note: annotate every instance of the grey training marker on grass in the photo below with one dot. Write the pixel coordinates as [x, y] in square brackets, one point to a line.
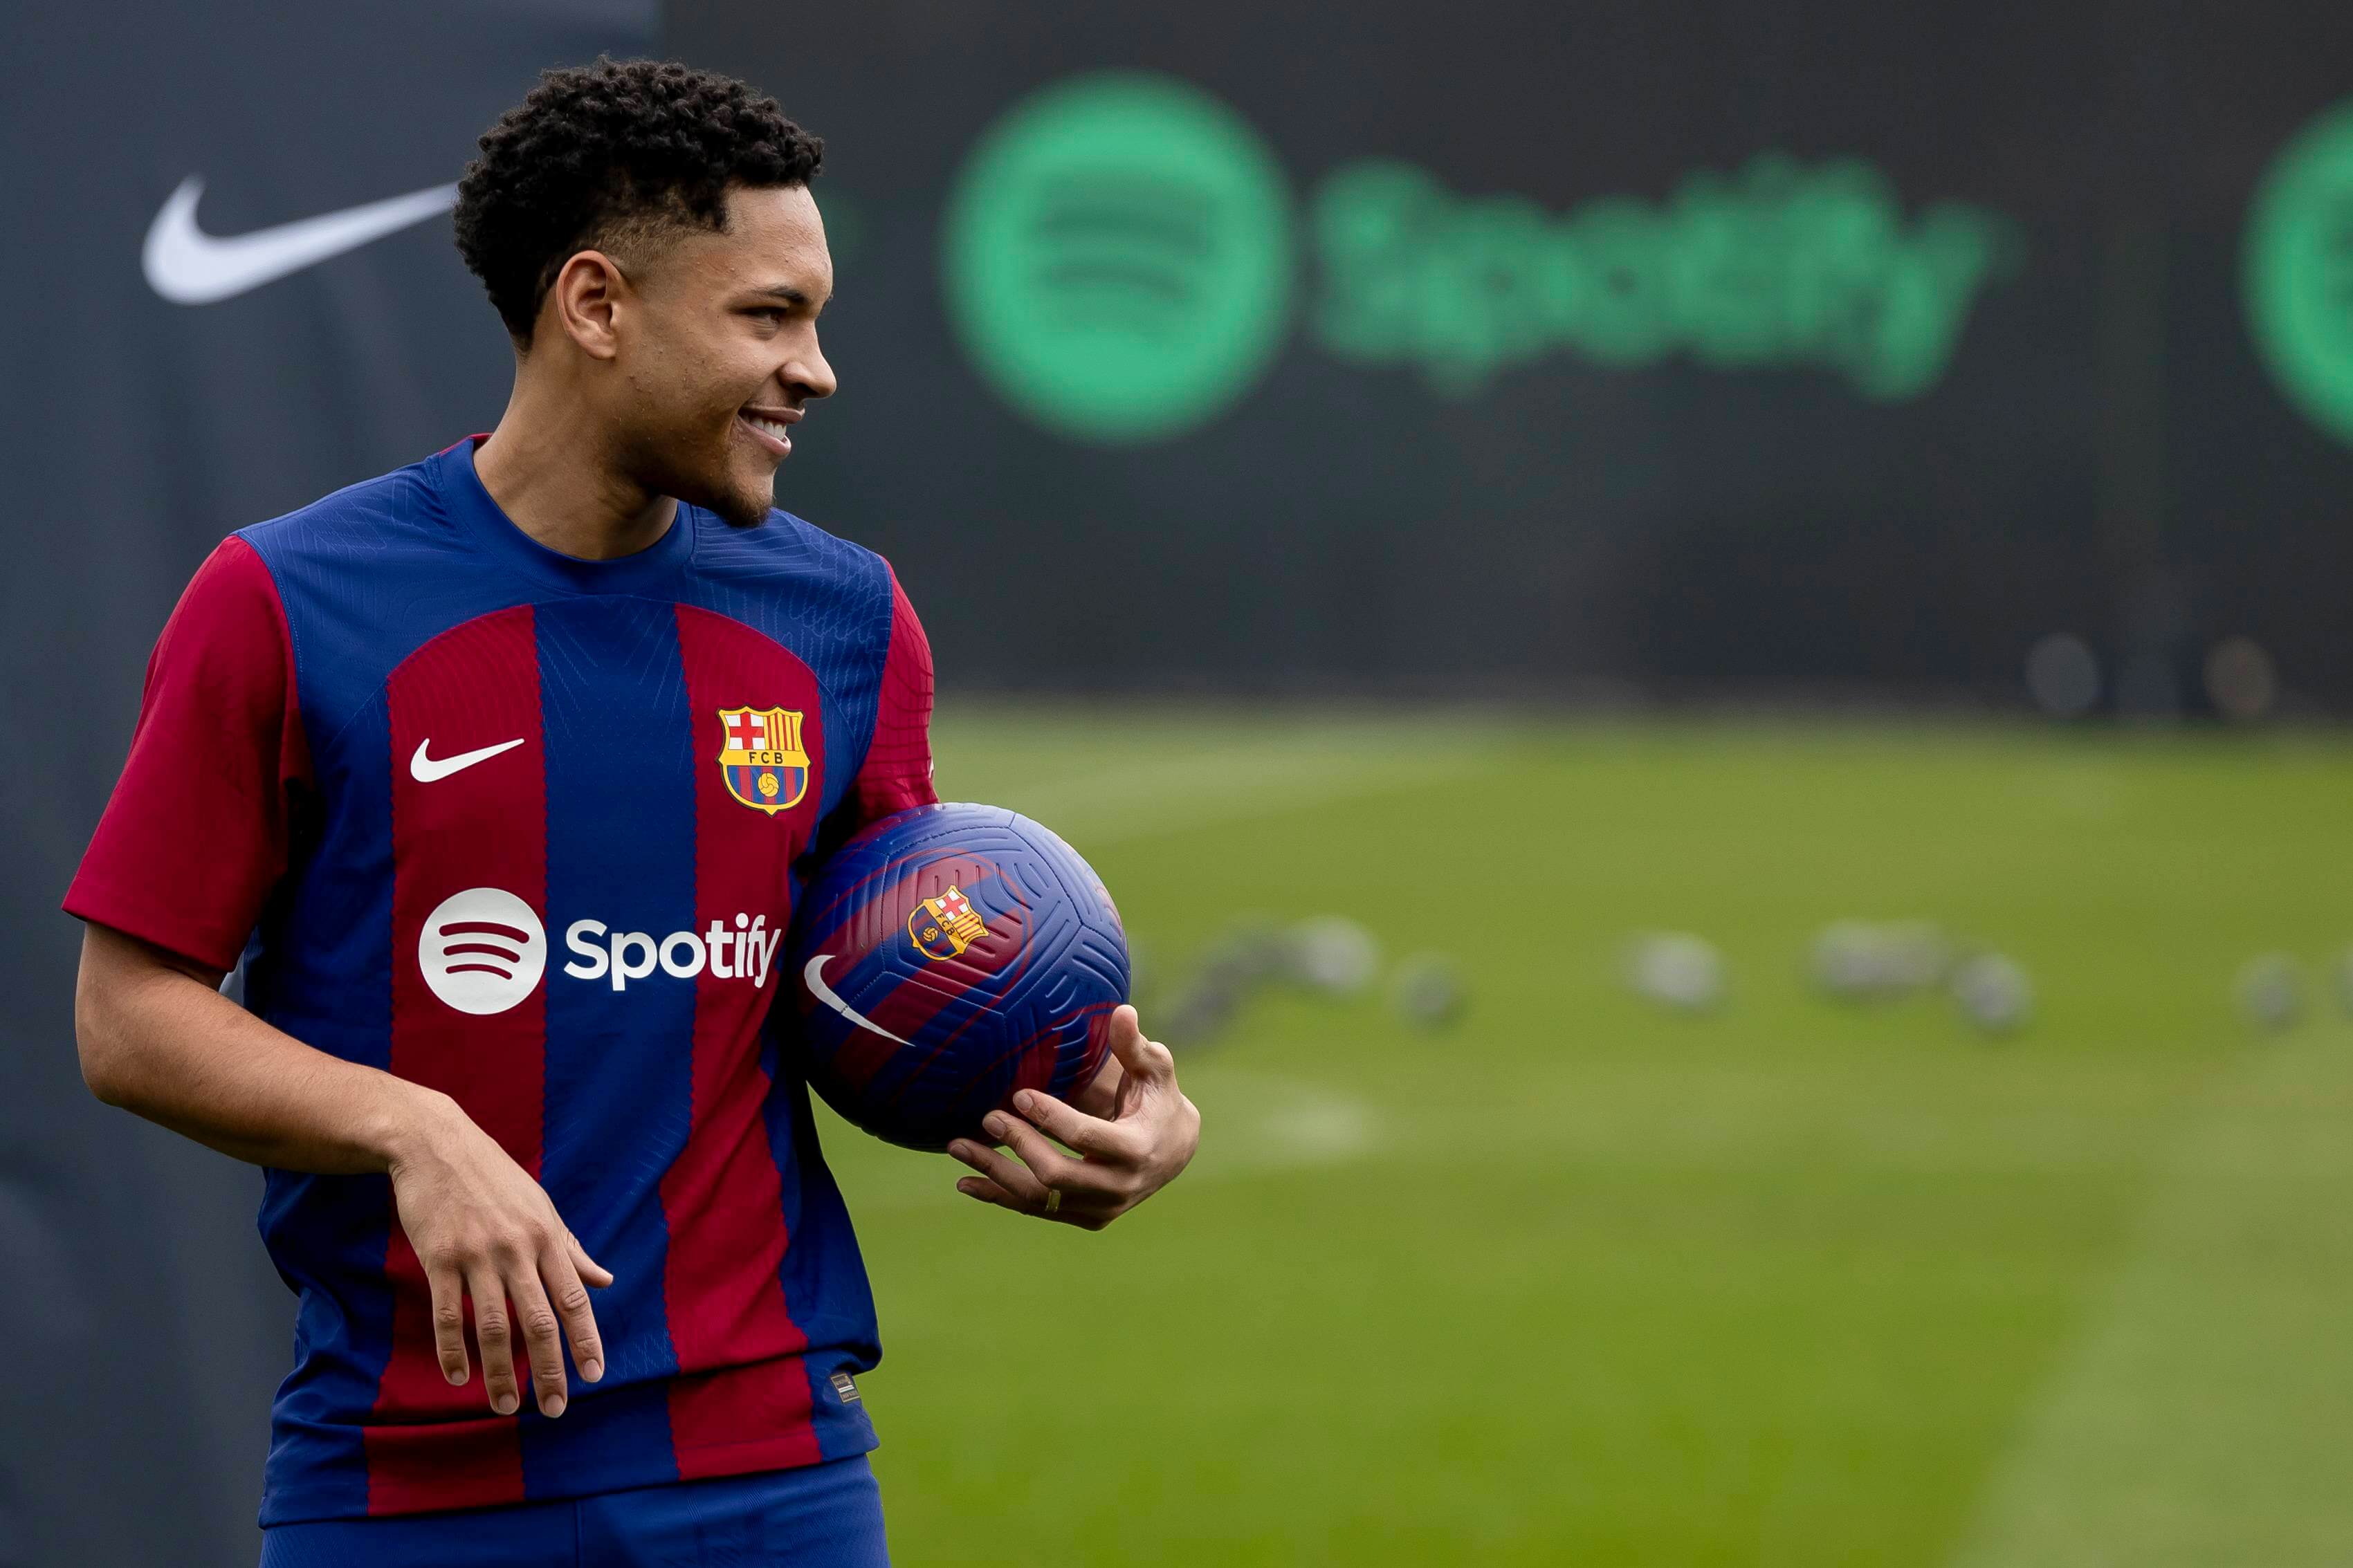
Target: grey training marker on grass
[1994, 993]
[1677, 970]
[1428, 990]
[2341, 974]
[1333, 955]
[2271, 991]
[1870, 960]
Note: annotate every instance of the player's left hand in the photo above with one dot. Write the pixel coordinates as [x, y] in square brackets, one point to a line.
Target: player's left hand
[1123, 1158]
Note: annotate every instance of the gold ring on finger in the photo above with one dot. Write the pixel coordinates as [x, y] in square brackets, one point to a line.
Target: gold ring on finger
[1053, 1199]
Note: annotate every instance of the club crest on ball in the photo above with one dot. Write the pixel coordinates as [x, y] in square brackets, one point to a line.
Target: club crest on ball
[943, 927]
[761, 759]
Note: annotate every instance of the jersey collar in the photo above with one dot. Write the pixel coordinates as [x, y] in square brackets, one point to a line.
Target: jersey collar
[657, 566]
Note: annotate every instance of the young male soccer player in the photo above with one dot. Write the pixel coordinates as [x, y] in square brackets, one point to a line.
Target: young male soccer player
[394, 741]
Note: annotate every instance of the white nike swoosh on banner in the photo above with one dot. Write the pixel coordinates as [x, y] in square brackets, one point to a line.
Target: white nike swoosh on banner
[189, 266]
[425, 769]
[814, 973]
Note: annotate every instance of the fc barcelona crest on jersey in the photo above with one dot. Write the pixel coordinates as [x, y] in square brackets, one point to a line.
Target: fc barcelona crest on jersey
[943, 927]
[761, 759]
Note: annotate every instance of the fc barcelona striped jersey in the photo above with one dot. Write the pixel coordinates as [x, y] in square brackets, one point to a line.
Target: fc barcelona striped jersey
[528, 829]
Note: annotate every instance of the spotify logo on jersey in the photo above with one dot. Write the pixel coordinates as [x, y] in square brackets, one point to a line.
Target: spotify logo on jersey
[482, 949]
[1118, 257]
[2298, 271]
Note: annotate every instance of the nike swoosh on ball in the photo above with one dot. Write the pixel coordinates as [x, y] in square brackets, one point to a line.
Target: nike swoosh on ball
[814, 973]
[189, 266]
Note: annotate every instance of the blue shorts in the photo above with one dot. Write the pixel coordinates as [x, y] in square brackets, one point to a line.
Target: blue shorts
[820, 1516]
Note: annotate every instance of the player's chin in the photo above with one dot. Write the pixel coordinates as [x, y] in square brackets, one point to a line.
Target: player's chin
[745, 502]
[743, 490]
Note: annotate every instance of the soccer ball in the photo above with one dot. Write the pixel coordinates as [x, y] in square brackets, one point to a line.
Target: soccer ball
[947, 957]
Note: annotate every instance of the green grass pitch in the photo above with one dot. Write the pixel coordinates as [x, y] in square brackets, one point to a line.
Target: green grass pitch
[1585, 1282]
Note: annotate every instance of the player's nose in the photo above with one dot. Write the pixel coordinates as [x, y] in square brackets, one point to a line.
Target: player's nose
[809, 375]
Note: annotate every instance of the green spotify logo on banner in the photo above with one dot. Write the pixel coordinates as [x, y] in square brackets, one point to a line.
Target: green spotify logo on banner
[1119, 265]
[1118, 257]
[2297, 269]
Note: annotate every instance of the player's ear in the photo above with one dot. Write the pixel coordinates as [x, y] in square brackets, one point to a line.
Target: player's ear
[585, 294]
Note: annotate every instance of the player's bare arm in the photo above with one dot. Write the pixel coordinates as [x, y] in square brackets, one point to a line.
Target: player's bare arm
[1131, 1133]
[158, 1038]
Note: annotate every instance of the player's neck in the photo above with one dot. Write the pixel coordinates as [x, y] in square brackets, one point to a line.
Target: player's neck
[558, 484]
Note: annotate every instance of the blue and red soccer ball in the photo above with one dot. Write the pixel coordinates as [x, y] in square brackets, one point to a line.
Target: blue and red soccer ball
[947, 957]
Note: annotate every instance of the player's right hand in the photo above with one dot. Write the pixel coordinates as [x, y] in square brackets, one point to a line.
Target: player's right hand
[485, 1231]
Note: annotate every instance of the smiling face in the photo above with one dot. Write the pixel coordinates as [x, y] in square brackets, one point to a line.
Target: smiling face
[719, 355]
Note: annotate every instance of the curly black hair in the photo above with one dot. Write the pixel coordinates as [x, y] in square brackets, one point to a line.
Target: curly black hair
[605, 155]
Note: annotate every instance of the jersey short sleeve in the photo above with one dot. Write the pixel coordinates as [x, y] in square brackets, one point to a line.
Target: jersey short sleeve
[897, 773]
[199, 826]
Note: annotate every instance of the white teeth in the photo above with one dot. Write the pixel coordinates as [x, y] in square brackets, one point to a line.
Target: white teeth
[767, 428]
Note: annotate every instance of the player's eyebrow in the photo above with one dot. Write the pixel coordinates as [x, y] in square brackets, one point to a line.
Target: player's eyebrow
[790, 295]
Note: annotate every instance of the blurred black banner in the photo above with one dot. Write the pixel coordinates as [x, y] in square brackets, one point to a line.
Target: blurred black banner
[1701, 348]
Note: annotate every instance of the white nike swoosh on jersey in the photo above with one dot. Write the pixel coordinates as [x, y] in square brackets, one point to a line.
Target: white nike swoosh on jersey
[814, 973]
[425, 769]
[189, 266]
